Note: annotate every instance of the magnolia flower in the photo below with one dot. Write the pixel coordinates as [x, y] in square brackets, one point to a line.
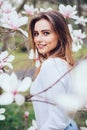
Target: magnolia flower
[6, 59]
[13, 88]
[6, 7]
[78, 98]
[34, 125]
[29, 9]
[70, 103]
[78, 36]
[26, 114]
[2, 117]
[81, 20]
[76, 47]
[79, 80]
[13, 21]
[67, 11]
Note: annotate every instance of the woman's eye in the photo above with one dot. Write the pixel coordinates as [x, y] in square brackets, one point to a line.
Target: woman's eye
[46, 33]
[35, 34]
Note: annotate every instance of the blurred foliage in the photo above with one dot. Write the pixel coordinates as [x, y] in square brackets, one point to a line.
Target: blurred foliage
[81, 53]
[81, 117]
[15, 119]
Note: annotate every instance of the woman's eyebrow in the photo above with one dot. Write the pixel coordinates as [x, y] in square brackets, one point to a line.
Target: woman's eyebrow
[49, 30]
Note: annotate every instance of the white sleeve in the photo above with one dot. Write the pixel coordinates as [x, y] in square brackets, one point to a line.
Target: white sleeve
[49, 74]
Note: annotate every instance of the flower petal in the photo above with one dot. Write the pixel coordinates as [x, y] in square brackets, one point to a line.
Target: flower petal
[79, 79]
[2, 110]
[6, 99]
[13, 81]
[70, 103]
[25, 84]
[2, 117]
[19, 99]
[10, 58]
[8, 82]
[4, 82]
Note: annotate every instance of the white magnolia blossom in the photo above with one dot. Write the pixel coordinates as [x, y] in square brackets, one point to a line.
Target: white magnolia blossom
[79, 81]
[30, 10]
[67, 11]
[81, 20]
[76, 47]
[70, 103]
[13, 88]
[6, 59]
[6, 7]
[13, 21]
[34, 125]
[77, 37]
[2, 110]
[78, 98]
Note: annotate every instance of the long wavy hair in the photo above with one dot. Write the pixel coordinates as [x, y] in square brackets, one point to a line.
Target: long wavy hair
[59, 25]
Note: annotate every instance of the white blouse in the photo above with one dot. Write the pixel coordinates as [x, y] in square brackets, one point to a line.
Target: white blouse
[48, 116]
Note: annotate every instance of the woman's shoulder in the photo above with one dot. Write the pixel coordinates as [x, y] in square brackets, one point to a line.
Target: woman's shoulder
[50, 62]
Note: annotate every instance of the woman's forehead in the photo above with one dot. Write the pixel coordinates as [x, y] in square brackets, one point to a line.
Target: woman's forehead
[43, 24]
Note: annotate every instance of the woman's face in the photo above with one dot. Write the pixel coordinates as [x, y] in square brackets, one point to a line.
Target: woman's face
[45, 38]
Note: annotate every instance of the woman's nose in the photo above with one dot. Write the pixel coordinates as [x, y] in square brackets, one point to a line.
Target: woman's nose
[39, 38]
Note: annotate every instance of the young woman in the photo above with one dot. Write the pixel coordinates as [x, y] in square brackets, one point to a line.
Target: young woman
[51, 38]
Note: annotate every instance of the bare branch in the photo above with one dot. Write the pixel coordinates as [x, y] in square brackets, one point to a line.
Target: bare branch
[21, 6]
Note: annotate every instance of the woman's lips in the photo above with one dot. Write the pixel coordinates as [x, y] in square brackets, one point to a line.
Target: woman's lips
[41, 46]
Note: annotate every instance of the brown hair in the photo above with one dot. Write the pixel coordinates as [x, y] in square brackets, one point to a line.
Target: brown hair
[59, 25]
